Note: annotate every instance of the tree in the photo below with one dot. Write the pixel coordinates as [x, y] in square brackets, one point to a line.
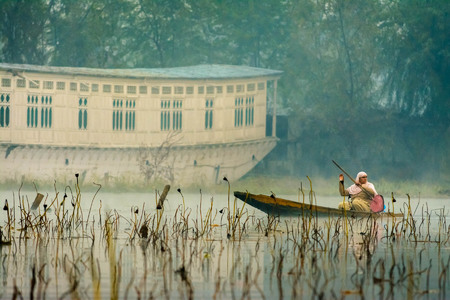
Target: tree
[330, 69]
[363, 81]
[416, 59]
[90, 33]
[22, 31]
[251, 32]
[161, 28]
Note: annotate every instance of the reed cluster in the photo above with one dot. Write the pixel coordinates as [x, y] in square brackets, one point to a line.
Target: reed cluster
[68, 250]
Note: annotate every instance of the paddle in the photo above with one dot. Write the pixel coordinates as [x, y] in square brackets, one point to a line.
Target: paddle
[351, 178]
[377, 203]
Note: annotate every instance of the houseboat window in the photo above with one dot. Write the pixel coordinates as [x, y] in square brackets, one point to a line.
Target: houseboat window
[84, 87]
[126, 118]
[261, 86]
[165, 115]
[131, 89]
[219, 89]
[120, 108]
[48, 85]
[250, 87]
[94, 87]
[4, 110]
[82, 113]
[201, 89]
[117, 116]
[238, 111]
[155, 90]
[142, 89]
[73, 86]
[118, 89]
[166, 90]
[239, 88]
[46, 111]
[20, 83]
[190, 90]
[252, 112]
[171, 109]
[60, 85]
[106, 88]
[6, 82]
[210, 90]
[130, 115]
[179, 90]
[42, 118]
[33, 84]
[230, 89]
[209, 113]
[249, 110]
[32, 111]
[247, 117]
[177, 114]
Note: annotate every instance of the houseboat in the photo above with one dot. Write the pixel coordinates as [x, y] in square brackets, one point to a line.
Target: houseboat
[183, 125]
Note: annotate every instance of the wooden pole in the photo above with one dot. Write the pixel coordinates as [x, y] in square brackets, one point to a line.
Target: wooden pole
[274, 109]
[351, 178]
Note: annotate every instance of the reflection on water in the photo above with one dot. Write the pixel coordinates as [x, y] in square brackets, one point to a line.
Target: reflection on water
[106, 245]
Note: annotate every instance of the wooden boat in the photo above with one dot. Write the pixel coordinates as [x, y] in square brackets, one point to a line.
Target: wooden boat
[273, 205]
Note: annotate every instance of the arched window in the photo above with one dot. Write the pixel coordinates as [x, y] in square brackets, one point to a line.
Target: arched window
[2, 116]
[238, 112]
[50, 117]
[32, 117]
[46, 117]
[36, 116]
[7, 117]
[80, 119]
[121, 122]
[82, 113]
[209, 113]
[28, 117]
[42, 117]
[85, 120]
[4, 110]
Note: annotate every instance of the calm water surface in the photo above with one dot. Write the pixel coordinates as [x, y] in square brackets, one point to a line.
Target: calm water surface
[191, 254]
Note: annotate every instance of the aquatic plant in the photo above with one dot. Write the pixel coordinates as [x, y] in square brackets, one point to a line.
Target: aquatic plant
[148, 250]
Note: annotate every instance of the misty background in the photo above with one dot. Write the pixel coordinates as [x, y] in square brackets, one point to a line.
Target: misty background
[365, 83]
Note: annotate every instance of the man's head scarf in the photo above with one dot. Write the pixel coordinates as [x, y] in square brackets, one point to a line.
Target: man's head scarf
[355, 189]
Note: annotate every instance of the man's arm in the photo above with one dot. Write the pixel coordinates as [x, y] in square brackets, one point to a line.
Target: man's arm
[342, 189]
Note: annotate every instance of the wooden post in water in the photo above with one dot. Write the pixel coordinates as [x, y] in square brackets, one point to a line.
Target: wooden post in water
[37, 201]
[163, 197]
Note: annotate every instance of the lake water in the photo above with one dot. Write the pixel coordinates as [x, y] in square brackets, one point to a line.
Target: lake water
[193, 249]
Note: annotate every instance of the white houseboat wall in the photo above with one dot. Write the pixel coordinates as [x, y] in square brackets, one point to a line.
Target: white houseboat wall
[185, 125]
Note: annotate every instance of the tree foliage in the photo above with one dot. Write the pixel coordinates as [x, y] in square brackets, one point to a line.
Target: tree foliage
[365, 82]
[416, 58]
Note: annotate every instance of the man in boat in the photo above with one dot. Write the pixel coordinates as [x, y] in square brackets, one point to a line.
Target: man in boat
[361, 193]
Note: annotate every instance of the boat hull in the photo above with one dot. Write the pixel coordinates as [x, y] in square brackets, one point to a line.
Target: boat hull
[275, 206]
[196, 164]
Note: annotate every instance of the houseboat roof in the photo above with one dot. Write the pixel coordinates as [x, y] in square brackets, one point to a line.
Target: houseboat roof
[196, 72]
